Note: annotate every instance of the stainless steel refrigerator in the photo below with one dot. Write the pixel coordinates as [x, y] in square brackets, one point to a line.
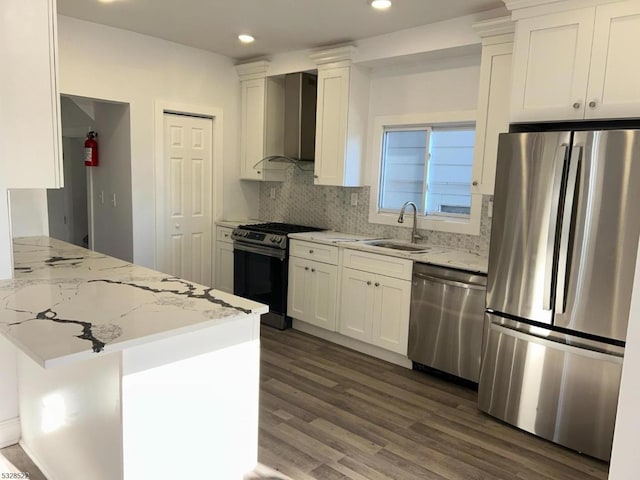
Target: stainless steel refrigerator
[561, 265]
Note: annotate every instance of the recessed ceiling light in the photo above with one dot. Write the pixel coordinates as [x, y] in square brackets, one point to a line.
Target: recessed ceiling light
[244, 38]
[380, 4]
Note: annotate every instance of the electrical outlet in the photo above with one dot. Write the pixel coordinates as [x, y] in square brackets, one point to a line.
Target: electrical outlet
[354, 199]
[272, 192]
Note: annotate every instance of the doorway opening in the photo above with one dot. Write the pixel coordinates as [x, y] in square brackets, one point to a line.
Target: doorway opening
[94, 209]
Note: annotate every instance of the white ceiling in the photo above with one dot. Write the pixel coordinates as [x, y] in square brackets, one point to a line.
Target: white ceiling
[278, 25]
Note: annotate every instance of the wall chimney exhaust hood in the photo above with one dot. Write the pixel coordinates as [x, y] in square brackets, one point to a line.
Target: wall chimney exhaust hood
[300, 98]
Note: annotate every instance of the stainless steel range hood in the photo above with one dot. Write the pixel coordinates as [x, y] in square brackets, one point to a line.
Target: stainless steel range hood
[300, 116]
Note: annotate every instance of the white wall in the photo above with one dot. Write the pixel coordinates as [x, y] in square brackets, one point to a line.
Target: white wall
[106, 63]
[436, 86]
[6, 263]
[624, 458]
[8, 381]
[112, 223]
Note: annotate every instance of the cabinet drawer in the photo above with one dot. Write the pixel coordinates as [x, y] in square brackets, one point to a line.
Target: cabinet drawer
[314, 251]
[223, 234]
[381, 264]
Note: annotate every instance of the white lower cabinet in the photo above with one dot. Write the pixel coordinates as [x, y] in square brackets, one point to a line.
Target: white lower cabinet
[224, 260]
[374, 308]
[312, 294]
[313, 285]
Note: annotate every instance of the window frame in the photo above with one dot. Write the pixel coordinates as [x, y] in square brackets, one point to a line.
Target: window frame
[452, 223]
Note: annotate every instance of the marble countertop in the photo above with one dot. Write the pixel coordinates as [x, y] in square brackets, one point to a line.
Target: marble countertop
[435, 254]
[67, 303]
[330, 237]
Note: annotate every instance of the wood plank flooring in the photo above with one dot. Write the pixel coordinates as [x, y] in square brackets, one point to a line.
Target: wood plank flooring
[328, 413]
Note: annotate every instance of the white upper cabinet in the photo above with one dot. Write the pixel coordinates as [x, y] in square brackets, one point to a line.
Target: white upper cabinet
[343, 103]
[577, 64]
[614, 81]
[551, 66]
[30, 133]
[262, 122]
[493, 99]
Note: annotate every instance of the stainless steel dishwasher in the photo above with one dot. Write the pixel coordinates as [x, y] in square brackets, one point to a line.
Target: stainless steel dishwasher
[446, 320]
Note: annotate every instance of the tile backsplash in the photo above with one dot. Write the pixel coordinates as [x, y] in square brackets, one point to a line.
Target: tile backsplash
[297, 200]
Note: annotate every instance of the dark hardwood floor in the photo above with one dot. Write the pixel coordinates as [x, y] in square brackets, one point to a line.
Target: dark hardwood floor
[329, 413]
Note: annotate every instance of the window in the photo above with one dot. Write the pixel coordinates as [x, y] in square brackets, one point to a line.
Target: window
[429, 165]
[426, 158]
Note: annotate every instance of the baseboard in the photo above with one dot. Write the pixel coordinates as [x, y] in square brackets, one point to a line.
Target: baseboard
[47, 474]
[9, 432]
[353, 344]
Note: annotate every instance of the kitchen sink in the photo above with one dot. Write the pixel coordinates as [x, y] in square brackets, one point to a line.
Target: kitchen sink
[405, 247]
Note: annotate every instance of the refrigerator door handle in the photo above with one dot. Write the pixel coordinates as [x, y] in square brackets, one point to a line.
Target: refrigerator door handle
[553, 226]
[563, 258]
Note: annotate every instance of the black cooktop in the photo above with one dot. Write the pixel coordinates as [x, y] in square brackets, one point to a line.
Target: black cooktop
[280, 228]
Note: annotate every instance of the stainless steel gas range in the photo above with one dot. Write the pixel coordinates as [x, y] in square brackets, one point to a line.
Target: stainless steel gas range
[261, 267]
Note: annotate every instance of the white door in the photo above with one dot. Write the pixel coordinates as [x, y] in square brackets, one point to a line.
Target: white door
[188, 180]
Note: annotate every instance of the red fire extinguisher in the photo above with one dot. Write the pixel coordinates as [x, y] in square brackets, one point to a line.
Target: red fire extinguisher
[91, 150]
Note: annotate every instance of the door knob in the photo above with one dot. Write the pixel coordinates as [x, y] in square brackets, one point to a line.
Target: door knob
[177, 226]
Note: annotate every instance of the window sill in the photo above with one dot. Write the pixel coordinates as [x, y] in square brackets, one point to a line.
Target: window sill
[438, 223]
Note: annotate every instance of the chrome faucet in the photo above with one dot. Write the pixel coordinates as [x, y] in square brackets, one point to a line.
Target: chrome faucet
[414, 231]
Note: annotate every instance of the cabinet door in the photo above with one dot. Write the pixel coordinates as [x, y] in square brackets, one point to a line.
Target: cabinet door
[356, 304]
[391, 303]
[252, 128]
[322, 295]
[493, 113]
[297, 293]
[224, 267]
[331, 125]
[30, 135]
[551, 66]
[614, 88]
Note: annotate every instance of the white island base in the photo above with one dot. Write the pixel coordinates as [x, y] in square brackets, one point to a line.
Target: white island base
[182, 407]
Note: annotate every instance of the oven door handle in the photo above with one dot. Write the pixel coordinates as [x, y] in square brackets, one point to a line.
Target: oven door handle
[269, 252]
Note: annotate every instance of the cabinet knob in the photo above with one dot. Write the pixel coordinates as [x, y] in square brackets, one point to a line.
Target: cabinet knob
[577, 105]
[592, 104]
[259, 172]
[377, 284]
[306, 268]
[310, 251]
[369, 283]
[313, 270]
[315, 176]
[475, 183]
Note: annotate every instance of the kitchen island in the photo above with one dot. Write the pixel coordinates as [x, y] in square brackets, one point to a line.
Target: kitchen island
[128, 373]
